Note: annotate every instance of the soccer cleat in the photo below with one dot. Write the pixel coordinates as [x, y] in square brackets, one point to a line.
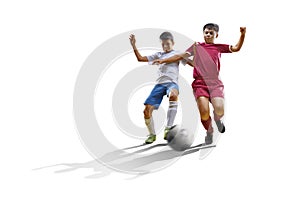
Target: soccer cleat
[209, 139]
[220, 126]
[151, 138]
[167, 129]
[166, 133]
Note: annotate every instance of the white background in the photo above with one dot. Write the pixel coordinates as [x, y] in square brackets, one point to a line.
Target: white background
[42, 47]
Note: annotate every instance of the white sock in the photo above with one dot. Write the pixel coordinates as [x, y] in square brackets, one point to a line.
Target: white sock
[150, 125]
[172, 111]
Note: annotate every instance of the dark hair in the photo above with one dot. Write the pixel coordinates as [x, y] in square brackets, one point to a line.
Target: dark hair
[166, 36]
[212, 26]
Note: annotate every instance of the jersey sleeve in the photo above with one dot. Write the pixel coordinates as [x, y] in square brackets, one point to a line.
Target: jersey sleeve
[152, 57]
[190, 50]
[224, 48]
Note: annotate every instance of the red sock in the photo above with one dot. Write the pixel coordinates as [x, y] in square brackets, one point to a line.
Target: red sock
[217, 117]
[207, 125]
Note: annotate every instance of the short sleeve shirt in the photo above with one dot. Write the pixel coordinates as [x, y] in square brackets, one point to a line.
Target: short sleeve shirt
[166, 72]
[207, 67]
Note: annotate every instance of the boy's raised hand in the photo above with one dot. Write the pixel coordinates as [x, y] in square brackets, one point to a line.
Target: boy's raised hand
[243, 30]
[132, 39]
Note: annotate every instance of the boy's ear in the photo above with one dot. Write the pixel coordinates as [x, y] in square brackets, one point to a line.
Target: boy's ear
[217, 35]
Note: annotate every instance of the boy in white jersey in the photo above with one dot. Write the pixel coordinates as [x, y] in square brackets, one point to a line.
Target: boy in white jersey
[166, 84]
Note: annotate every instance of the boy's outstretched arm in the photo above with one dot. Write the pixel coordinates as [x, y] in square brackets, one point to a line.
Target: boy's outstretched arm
[239, 45]
[174, 58]
[139, 57]
[190, 63]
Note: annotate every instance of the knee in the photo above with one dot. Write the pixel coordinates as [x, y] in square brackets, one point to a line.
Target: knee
[204, 113]
[219, 109]
[173, 97]
[147, 113]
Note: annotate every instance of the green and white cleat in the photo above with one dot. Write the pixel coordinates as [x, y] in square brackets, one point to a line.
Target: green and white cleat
[166, 131]
[151, 138]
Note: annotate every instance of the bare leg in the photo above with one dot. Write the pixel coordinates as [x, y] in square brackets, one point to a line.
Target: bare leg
[148, 118]
[218, 104]
[203, 106]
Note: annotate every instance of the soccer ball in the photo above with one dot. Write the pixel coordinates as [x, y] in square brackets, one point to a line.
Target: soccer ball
[179, 138]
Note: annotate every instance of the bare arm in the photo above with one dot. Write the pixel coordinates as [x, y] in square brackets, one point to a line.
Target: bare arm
[139, 57]
[239, 45]
[190, 62]
[174, 58]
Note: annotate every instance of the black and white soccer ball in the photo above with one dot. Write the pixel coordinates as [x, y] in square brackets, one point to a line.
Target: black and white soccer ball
[179, 138]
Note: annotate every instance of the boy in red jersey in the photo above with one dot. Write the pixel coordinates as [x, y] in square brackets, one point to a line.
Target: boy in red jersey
[207, 86]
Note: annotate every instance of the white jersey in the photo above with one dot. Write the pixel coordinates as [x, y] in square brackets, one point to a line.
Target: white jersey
[166, 72]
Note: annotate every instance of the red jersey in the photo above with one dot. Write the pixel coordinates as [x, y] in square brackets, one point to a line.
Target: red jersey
[207, 59]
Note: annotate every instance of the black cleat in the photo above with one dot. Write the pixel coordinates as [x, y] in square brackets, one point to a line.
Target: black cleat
[221, 126]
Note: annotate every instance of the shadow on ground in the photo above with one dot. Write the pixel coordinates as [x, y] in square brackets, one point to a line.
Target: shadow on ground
[127, 161]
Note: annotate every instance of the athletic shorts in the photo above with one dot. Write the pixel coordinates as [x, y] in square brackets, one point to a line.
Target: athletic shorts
[208, 88]
[158, 92]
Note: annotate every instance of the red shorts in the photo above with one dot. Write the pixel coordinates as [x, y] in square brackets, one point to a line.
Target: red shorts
[208, 88]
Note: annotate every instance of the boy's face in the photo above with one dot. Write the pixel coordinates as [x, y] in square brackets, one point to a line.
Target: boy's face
[167, 45]
[209, 35]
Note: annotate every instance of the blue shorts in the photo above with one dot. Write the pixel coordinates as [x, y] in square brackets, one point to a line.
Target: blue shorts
[158, 92]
